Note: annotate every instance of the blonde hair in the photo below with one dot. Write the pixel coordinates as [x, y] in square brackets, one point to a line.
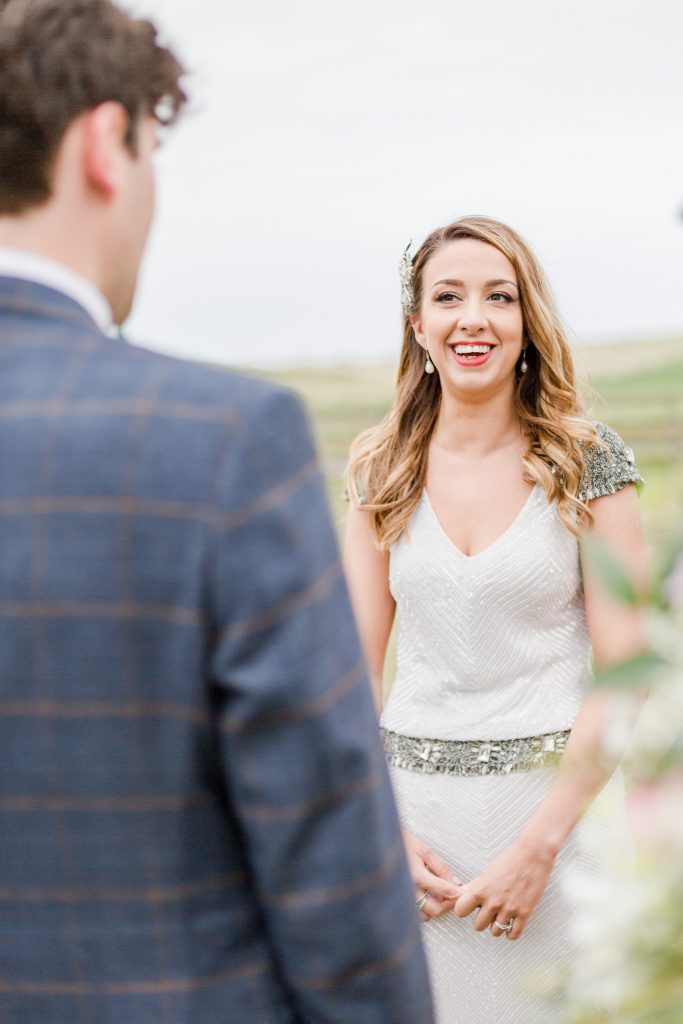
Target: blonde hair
[388, 463]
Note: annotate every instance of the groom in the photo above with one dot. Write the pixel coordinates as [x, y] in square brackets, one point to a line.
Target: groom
[196, 824]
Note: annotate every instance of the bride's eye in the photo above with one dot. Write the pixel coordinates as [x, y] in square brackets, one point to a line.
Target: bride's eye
[447, 297]
[501, 297]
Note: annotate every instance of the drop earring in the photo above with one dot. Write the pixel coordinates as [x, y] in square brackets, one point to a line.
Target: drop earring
[429, 365]
[523, 366]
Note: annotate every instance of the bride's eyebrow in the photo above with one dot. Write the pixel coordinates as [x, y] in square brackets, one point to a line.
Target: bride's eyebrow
[500, 280]
[487, 284]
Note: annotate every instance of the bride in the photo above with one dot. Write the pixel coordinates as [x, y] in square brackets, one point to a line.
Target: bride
[468, 506]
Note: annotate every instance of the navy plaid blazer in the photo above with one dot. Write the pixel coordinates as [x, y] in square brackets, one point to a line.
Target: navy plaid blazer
[195, 819]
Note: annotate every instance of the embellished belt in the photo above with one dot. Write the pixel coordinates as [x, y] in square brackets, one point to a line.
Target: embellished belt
[473, 757]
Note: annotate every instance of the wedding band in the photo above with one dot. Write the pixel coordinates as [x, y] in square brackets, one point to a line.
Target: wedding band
[422, 900]
[503, 927]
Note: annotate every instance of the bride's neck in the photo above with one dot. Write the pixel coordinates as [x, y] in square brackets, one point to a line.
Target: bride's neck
[465, 428]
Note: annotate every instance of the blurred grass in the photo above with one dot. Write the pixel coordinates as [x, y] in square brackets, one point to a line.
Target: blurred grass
[645, 404]
[635, 387]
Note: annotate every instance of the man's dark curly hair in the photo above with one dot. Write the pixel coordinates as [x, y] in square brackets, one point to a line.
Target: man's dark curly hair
[59, 59]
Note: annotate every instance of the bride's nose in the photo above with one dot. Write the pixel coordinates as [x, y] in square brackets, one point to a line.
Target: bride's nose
[472, 318]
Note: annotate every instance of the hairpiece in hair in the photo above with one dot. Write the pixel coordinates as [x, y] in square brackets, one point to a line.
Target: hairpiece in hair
[405, 274]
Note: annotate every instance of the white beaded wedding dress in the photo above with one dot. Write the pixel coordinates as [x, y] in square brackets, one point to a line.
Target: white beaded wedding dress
[492, 648]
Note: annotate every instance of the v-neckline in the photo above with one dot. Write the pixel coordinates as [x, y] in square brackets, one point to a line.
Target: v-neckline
[499, 539]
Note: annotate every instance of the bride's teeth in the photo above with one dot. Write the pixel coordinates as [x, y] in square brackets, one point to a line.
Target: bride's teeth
[472, 350]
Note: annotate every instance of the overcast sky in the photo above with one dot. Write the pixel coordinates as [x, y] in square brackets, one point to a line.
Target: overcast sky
[324, 136]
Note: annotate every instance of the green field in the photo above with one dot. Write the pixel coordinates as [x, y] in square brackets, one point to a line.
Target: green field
[637, 388]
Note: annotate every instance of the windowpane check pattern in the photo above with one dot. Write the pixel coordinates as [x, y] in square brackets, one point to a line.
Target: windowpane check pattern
[196, 817]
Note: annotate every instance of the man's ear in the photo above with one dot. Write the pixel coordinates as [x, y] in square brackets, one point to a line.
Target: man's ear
[105, 150]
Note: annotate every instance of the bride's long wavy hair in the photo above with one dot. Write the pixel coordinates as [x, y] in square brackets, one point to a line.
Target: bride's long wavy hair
[388, 463]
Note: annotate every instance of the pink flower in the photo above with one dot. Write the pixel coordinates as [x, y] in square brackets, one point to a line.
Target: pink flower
[654, 810]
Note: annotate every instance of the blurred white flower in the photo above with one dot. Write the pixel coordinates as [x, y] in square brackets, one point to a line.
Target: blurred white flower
[673, 585]
[629, 925]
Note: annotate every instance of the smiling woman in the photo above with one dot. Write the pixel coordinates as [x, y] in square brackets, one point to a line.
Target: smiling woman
[468, 505]
[476, 282]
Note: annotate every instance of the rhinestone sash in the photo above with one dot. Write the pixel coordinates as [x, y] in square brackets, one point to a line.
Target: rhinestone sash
[473, 757]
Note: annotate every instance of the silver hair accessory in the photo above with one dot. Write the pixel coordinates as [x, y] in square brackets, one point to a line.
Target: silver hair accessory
[405, 274]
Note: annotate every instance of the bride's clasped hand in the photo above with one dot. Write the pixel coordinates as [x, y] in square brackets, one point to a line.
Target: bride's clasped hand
[437, 888]
[505, 893]
[507, 890]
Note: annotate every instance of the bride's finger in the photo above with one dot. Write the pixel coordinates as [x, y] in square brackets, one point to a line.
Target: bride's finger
[483, 920]
[467, 902]
[439, 866]
[501, 925]
[433, 907]
[518, 925]
[425, 879]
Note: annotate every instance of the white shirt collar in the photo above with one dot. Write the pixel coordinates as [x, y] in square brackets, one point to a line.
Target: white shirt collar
[29, 266]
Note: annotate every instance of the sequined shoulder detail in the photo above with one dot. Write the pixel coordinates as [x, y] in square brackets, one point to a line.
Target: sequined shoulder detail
[608, 468]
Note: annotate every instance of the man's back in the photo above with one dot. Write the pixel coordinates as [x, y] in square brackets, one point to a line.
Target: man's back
[195, 813]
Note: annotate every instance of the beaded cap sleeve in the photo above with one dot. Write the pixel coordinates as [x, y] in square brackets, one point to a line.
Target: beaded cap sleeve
[608, 469]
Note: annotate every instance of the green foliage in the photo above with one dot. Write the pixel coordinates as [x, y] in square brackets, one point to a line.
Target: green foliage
[608, 570]
[637, 672]
[665, 567]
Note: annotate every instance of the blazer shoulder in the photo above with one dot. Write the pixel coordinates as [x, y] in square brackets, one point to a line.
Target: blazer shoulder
[248, 397]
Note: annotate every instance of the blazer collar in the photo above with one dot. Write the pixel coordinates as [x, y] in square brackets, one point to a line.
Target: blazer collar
[28, 298]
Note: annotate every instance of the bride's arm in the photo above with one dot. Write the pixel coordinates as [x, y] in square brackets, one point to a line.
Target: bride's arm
[616, 632]
[367, 575]
[512, 884]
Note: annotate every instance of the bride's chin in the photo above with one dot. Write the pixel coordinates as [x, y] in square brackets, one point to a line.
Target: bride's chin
[474, 384]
